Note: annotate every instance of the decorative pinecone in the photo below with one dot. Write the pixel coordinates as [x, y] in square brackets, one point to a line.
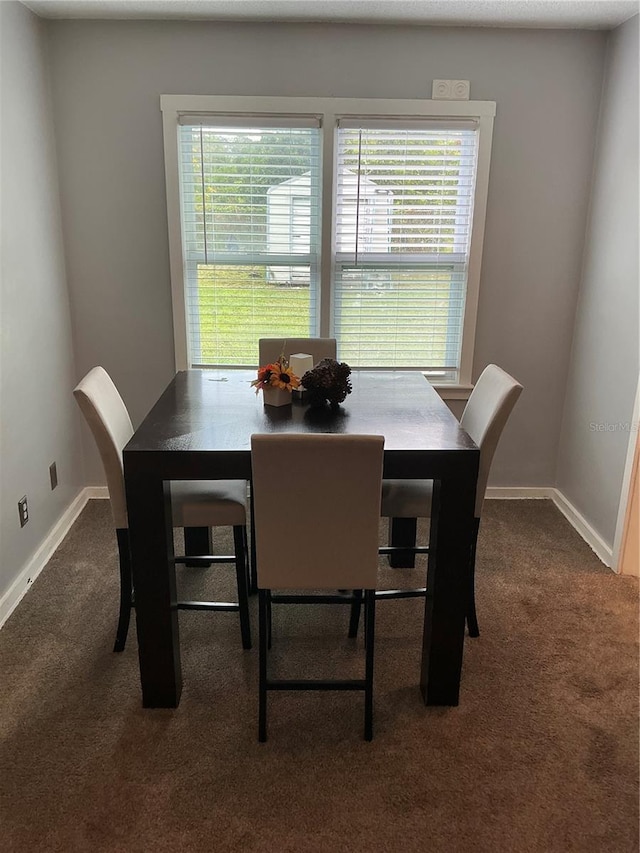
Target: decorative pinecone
[328, 382]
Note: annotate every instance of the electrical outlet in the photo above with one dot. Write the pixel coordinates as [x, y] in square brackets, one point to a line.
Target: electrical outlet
[53, 475]
[23, 511]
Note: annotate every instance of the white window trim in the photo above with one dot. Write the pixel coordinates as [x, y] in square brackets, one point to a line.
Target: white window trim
[329, 110]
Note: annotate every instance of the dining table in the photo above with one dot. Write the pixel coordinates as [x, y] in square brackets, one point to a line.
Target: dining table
[200, 429]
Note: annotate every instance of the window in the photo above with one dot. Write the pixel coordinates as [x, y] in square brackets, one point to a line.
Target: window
[250, 205]
[357, 219]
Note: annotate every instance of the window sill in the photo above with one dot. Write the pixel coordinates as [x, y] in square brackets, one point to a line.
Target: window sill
[450, 390]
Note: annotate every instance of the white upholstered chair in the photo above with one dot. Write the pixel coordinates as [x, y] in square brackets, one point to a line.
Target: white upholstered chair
[269, 349]
[317, 511]
[196, 506]
[484, 417]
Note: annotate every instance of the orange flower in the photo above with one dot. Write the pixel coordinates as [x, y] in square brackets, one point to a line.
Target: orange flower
[278, 374]
[283, 378]
[264, 376]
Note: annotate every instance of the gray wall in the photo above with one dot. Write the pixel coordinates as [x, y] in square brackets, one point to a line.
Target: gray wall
[38, 421]
[603, 375]
[107, 81]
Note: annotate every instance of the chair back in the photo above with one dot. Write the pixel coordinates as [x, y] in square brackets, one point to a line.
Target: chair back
[270, 349]
[109, 420]
[484, 417]
[317, 510]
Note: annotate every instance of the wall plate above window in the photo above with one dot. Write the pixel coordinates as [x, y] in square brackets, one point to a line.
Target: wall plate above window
[450, 90]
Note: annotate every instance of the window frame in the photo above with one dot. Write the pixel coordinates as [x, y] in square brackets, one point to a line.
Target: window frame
[329, 111]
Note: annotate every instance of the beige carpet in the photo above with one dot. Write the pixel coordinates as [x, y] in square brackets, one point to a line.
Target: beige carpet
[541, 754]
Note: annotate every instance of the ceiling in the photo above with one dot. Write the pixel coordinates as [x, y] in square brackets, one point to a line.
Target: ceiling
[583, 14]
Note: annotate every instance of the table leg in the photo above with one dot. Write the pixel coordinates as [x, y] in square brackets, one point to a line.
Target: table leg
[451, 537]
[154, 582]
[402, 533]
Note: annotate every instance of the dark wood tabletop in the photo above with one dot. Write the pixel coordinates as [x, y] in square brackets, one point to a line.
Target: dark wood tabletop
[205, 412]
[201, 428]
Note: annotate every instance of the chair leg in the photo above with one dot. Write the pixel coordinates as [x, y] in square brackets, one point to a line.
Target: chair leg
[262, 688]
[472, 619]
[247, 562]
[269, 619]
[240, 544]
[403, 533]
[354, 619]
[197, 541]
[253, 586]
[126, 589]
[370, 620]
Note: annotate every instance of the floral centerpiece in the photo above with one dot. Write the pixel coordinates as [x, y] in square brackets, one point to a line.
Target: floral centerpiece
[276, 381]
[328, 382]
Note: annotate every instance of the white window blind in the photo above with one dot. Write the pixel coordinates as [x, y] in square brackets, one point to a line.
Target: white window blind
[250, 207]
[403, 215]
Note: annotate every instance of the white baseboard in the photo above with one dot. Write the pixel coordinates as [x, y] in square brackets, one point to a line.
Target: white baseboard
[518, 493]
[593, 539]
[97, 493]
[590, 536]
[19, 587]
[13, 596]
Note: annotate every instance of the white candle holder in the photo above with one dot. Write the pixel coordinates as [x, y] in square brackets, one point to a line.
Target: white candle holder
[300, 362]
